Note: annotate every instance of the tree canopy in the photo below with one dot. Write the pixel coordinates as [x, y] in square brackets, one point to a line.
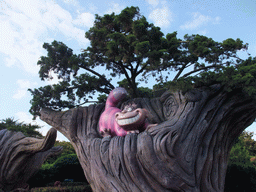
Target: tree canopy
[28, 130]
[128, 47]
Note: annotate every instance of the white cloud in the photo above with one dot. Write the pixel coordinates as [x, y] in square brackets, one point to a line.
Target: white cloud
[71, 2]
[161, 17]
[198, 21]
[84, 19]
[153, 2]
[203, 32]
[24, 84]
[23, 87]
[25, 26]
[25, 117]
[114, 7]
[20, 94]
[19, 44]
[216, 20]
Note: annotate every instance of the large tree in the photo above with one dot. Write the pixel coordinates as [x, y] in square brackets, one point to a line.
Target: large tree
[128, 47]
[211, 101]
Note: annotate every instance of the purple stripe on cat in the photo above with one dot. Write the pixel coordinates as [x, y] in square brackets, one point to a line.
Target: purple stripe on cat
[107, 119]
[115, 96]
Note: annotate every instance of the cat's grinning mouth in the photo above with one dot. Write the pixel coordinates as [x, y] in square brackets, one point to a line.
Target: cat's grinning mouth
[128, 121]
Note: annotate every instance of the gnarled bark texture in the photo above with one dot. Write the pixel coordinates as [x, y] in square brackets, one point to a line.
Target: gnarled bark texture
[187, 151]
[21, 157]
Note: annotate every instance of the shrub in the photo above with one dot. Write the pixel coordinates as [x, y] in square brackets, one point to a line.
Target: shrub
[66, 167]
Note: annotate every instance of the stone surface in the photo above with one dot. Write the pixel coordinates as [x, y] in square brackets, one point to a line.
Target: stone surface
[21, 157]
[187, 151]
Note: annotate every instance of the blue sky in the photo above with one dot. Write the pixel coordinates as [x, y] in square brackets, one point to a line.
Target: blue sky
[26, 25]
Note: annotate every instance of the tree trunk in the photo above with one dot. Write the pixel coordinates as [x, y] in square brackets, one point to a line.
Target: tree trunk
[21, 157]
[187, 151]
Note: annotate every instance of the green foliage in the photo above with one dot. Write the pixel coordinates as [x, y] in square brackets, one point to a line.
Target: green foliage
[63, 161]
[65, 167]
[129, 47]
[240, 77]
[239, 154]
[102, 98]
[141, 91]
[67, 149]
[27, 129]
[145, 92]
[249, 142]
[126, 44]
[57, 53]
[68, 93]
[241, 172]
[184, 84]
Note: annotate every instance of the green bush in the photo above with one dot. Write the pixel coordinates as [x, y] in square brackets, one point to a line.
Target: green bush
[66, 167]
[241, 173]
[240, 154]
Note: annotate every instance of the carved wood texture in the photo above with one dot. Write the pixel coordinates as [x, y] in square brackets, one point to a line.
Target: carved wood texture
[21, 157]
[187, 151]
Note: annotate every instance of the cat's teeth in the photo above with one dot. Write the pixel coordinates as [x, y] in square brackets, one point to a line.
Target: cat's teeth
[128, 121]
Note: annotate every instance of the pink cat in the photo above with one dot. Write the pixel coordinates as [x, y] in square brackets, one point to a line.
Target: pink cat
[115, 122]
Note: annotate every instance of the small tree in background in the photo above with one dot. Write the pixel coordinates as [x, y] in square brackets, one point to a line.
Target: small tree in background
[241, 172]
[239, 153]
[28, 130]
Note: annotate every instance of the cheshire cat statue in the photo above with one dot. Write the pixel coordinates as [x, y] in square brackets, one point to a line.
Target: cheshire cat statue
[117, 122]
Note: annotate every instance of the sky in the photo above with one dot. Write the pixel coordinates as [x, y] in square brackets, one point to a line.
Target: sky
[26, 25]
